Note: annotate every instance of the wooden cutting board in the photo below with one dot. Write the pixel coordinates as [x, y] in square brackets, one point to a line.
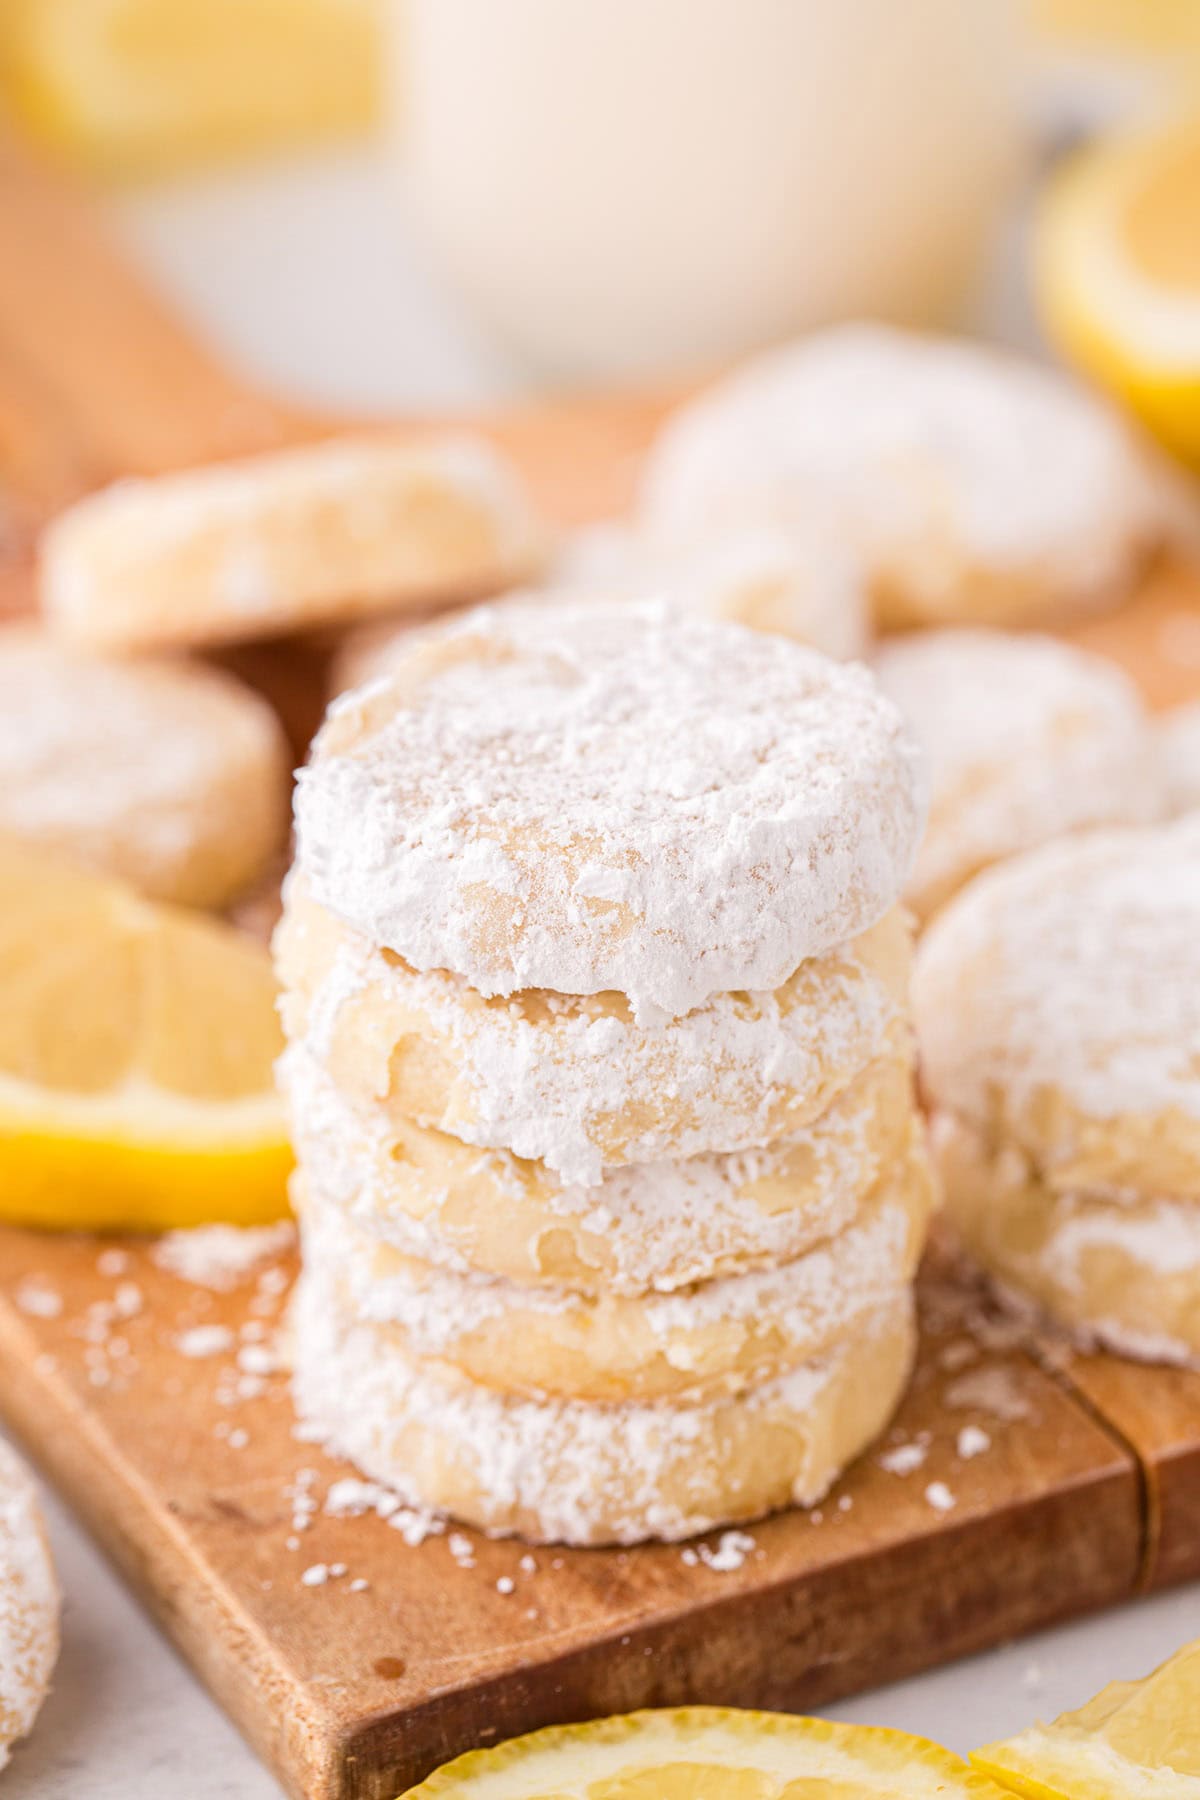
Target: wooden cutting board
[187, 1467]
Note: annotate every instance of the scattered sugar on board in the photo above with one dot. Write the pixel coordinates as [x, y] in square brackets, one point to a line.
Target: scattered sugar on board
[994, 1391]
[972, 1441]
[221, 1256]
[205, 1340]
[38, 1300]
[938, 1495]
[903, 1459]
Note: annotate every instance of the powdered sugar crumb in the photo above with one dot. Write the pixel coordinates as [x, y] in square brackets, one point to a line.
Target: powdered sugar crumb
[221, 1256]
[971, 1441]
[903, 1459]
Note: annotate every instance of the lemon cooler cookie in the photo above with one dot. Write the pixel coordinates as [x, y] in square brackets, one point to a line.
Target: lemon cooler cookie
[331, 531]
[599, 1063]
[1058, 1012]
[601, 798]
[720, 1335]
[575, 1080]
[29, 1604]
[1027, 739]
[170, 775]
[572, 1473]
[977, 487]
[646, 1227]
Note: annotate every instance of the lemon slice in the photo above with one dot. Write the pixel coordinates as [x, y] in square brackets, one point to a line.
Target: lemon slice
[707, 1753]
[136, 1052]
[1136, 1738]
[137, 84]
[1117, 269]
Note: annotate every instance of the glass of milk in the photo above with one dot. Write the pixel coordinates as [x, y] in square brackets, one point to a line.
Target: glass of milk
[628, 189]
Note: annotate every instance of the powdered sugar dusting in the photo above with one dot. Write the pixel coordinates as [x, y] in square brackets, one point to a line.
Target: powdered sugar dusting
[920, 447]
[1076, 971]
[1027, 738]
[603, 797]
[654, 1226]
[579, 1084]
[221, 1256]
[29, 1604]
[570, 1472]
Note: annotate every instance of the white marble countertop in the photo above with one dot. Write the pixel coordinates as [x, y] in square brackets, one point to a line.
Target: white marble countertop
[303, 273]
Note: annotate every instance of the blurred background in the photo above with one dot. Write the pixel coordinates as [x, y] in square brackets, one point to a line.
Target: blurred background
[397, 204]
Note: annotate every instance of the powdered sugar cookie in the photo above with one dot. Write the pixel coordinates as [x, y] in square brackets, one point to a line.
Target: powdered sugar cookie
[332, 531]
[1179, 757]
[170, 775]
[1027, 739]
[29, 1604]
[976, 487]
[1057, 1002]
[647, 1227]
[796, 581]
[1112, 1269]
[574, 1081]
[716, 1337]
[595, 798]
[573, 1473]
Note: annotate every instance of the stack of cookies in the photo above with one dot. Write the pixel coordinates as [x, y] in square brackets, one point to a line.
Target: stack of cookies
[600, 1072]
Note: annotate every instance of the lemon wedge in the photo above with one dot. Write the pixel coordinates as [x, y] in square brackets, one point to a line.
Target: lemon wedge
[137, 1045]
[1117, 271]
[137, 85]
[708, 1753]
[1135, 1739]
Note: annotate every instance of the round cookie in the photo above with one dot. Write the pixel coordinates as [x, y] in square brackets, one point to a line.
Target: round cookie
[170, 775]
[332, 531]
[716, 1337]
[1120, 1272]
[611, 797]
[29, 1604]
[574, 1081]
[1057, 1002]
[647, 1227]
[793, 581]
[1178, 738]
[975, 486]
[572, 1473]
[1027, 739]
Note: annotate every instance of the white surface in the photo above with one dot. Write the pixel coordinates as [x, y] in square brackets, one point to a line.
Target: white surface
[302, 274]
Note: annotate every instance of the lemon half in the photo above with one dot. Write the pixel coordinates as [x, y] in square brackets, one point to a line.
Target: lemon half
[136, 85]
[1117, 270]
[137, 1045]
[1135, 1739]
[708, 1753]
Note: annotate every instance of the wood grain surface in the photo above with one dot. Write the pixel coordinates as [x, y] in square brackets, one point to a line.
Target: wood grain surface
[188, 1468]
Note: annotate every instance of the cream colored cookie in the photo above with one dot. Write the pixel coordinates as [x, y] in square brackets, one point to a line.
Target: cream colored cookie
[716, 1337]
[377, 648]
[975, 486]
[171, 775]
[1057, 1002]
[647, 1227]
[576, 1082]
[610, 797]
[1121, 1272]
[1027, 739]
[332, 531]
[1178, 740]
[796, 581]
[29, 1604]
[568, 1472]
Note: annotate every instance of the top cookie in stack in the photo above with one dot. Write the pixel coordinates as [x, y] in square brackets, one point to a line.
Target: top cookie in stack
[601, 1072]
